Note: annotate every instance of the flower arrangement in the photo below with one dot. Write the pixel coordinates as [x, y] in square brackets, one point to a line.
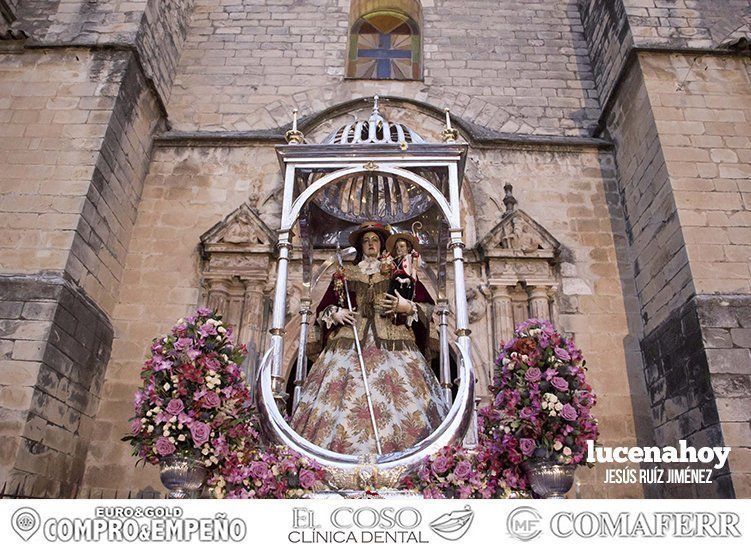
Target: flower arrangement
[458, 473]
[542, 406]
[273, 473]
[194, 400]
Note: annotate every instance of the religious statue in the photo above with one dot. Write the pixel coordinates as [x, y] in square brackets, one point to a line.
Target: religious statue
[371, 388]
[402, 248]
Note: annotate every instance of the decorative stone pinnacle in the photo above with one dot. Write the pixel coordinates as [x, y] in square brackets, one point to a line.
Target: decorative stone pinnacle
[509, 200]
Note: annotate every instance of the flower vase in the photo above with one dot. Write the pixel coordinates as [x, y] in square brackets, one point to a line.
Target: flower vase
[182, 475]
[549, 480]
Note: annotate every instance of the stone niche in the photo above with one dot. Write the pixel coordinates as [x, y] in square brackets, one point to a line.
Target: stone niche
[237, 270]
[521, 258]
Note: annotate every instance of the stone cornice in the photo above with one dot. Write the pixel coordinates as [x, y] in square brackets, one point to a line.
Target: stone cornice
[256, 138]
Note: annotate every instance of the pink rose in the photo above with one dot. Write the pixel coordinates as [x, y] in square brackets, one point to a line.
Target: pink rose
[440, 464]
[200, 432]
[307, 479]
[533, 374]
[568, 412]
[527, 445]
[135, 426]
[559, 383]
[211, 400]
[463, 470]
[175, 406]
[562, 354]
[164, 447]
[259, 469]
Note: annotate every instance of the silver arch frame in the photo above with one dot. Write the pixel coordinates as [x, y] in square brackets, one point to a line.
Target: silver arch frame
[342, 161]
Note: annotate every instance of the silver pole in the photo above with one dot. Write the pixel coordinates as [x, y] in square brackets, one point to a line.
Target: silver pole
[302, 358]
[362, 361]
[445, 361]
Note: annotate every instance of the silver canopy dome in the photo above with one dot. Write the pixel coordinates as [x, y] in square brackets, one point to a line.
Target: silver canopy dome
[376, 130]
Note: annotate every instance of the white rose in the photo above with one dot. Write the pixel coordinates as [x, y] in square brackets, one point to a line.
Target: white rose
[150, 429]
[221, 330]
[167, 386]
[557, 445]
[566, 451]
[181, 438]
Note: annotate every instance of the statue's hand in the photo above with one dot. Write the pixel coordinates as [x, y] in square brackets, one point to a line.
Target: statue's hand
[344, 317]
[396, 304]
[385, 304]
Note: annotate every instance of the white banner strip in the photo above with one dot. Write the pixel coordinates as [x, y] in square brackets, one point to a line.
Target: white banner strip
[394, 521]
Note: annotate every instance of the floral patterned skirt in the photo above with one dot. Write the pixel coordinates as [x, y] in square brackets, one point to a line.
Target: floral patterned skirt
[333, 410]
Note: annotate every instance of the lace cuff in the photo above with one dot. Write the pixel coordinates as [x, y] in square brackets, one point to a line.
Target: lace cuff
[327, 316]
[412, 317]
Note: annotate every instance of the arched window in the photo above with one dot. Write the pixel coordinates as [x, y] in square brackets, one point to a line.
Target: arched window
[385, 40]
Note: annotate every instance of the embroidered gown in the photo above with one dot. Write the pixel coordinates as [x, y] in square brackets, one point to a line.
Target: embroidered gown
[407, 401]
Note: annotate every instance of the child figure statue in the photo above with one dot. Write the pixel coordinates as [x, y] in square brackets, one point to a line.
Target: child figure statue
[403, 247]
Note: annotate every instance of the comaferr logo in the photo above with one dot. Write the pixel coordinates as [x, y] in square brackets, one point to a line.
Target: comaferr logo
[524, 523]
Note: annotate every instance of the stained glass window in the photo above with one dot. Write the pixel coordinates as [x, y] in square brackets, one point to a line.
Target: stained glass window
[384, 45]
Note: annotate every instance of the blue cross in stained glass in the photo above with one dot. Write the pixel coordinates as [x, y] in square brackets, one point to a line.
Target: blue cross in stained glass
[383, 55]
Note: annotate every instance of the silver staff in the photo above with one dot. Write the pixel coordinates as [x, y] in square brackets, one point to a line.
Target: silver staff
[362, 361]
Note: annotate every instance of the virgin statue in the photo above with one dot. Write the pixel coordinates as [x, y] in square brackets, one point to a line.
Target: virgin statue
[407, 404]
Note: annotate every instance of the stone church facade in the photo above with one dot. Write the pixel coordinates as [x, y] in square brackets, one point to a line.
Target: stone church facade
[607, 188]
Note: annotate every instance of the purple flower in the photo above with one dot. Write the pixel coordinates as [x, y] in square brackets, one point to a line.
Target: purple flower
[183, 343]
[533, 374]
[160, 363]
[568, 412]
[463, 470]
[207, 329]
[175, 406]
[259, 469]
[307, 479]
[135, 426]
[211, 400]
[527, 413]
[164, 447]
[527, 445]
[559, 383]
[440, 464]
[200, 432]
[562, 354]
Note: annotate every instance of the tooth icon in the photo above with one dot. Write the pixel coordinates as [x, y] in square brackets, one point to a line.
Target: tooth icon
[454, 525]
